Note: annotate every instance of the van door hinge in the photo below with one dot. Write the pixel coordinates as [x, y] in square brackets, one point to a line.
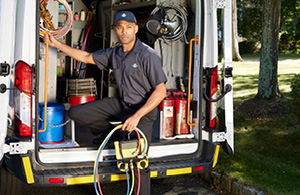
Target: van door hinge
[4, 149]
[4, 69]
[221, 4]
[219, 137]
[20, 147]
[228, 72]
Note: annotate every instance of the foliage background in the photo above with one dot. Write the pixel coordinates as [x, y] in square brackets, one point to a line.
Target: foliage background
[249, 26]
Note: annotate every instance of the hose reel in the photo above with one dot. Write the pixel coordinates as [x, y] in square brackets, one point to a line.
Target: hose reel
[168, 21]
[58, 33]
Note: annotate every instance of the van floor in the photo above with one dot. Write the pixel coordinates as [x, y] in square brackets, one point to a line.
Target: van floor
[87, 139]
[84, 137]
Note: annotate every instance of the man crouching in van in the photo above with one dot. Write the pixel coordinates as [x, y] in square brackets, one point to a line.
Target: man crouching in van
[140, 81]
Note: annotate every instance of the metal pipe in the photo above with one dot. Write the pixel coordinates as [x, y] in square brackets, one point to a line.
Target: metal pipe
[46, 83]
[189, 82]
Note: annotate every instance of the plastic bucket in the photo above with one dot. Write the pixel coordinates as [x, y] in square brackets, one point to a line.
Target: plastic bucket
[55, 117]
[80, 99]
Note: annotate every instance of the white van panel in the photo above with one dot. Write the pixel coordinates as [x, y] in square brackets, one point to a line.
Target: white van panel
[52, 6]
[7, 39]
[228, 98]
[210, 52]
[26, 31]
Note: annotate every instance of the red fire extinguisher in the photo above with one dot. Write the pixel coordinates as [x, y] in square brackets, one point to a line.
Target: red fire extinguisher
[167, 121]
[181, 126]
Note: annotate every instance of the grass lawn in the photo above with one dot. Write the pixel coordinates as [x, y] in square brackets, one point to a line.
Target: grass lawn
[245, 73]
[267, 151]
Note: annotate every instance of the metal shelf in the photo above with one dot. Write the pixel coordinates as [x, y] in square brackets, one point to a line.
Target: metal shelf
[119, 7]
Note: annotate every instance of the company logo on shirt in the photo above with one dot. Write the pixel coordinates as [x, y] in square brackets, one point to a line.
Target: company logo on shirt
[134, 65]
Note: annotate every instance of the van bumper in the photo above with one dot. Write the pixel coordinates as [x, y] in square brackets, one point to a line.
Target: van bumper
[22, 166]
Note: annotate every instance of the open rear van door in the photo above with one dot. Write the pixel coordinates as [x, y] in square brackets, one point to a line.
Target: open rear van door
[7, 48]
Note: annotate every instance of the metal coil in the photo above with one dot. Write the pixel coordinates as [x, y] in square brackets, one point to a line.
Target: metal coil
[59, 33]
[181, 13]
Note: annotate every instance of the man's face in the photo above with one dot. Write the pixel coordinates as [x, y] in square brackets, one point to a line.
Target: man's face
[126, 31]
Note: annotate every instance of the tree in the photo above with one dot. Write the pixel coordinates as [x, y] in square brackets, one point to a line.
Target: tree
[235, 44]
[268, 71]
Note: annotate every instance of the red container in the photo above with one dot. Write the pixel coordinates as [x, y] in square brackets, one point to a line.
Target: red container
[167, 108]
[181, 126]
[80, 99]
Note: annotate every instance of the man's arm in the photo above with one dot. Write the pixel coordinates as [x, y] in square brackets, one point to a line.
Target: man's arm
[77, 54]
[155, 98]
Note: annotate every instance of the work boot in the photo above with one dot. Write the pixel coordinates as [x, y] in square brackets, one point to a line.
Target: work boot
[116, 136]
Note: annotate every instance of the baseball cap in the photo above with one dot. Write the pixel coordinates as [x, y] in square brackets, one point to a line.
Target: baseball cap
[125, 15]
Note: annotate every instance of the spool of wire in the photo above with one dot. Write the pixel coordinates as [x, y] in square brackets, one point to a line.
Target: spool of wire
[58, 33]
[173, 24]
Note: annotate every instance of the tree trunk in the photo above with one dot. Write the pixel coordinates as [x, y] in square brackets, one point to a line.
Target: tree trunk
[267, 80]
[235, 44]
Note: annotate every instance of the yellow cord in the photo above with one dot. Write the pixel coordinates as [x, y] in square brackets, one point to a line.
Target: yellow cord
[46, 84]
[132, 175]
[112, 131]
[107, 137]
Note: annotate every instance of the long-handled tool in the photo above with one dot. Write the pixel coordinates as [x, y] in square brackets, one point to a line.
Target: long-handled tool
[46, 83]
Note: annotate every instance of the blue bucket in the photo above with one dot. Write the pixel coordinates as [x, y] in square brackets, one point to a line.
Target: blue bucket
[55, 116]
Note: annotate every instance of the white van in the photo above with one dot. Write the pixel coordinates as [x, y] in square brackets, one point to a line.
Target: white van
[188, 131]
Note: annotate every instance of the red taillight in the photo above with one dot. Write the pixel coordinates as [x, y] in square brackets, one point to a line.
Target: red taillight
[199, 168]
[56, 180]
[213, 95]
[23, 100]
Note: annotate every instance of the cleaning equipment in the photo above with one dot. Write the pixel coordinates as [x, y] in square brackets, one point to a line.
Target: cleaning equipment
[127, 153]
[54, 129]
[167, 120]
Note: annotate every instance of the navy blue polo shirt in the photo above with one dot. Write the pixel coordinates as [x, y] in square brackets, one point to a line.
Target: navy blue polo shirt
[137, 72]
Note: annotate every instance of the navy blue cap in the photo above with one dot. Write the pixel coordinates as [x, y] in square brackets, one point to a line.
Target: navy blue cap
[125, 15]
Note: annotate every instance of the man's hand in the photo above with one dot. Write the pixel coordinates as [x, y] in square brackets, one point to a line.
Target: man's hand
[131, 123]
[155, 98]
[77, 54]
[49, 38]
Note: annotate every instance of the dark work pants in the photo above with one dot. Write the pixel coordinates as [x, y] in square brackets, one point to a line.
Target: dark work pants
[96, 116]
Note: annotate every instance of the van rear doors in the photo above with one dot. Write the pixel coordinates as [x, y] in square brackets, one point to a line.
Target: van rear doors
[7, 47]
